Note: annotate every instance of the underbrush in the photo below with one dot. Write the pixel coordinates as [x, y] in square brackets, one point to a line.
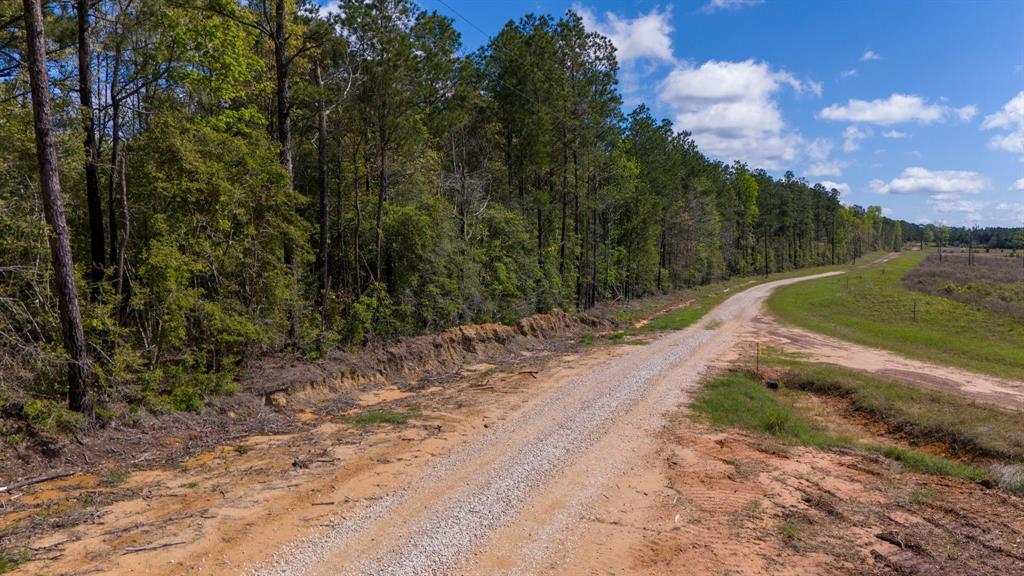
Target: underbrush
[739, 400]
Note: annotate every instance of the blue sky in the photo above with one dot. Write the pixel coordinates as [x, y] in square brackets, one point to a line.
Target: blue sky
[914, 106]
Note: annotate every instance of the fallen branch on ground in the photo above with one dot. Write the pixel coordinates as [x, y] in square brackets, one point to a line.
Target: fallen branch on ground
[132, 549]
[36, 480]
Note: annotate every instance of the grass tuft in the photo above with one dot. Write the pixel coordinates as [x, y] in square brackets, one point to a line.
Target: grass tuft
[920, 413]
[737, 399]
[11, 560]
[382, 417]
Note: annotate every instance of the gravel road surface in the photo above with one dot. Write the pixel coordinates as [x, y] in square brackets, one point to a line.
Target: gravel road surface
[501, 503]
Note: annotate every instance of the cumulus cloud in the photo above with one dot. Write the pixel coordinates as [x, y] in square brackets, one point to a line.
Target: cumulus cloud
[818, 152]
[1010, 212]
[330, 8]
[1009, 118]
[842, 187]
[715, 5]
[826, 168]
[1017, 186]
[848, 73]
[648, 36]
[970, 209]
[896, 109]
[852, 137]
[896, 134]
[870, 55]
[945, 185]
[731, 109]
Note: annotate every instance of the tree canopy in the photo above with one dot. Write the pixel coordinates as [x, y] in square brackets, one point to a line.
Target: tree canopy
[250, 176]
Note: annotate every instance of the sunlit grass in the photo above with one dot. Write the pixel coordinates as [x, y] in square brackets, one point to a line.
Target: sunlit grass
[738, 400]
[872, 307]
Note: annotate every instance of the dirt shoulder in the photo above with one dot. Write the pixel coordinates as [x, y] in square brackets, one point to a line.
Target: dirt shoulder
[225, 508]
[727, 502]
[813, 347]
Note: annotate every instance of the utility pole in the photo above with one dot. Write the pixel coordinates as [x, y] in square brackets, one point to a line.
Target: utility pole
[970, 249]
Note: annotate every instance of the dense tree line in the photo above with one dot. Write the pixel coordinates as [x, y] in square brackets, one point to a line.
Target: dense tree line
[246, 177]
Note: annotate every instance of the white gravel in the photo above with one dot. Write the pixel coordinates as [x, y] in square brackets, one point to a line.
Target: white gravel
[512, 461]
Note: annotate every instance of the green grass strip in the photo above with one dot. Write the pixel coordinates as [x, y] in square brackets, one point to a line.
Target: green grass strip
[871, 307]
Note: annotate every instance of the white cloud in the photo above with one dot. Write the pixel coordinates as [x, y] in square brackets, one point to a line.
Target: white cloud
[818, 151]
[715, 5]
[895, 134]
[852, 137]
[330, 8]
[896, 109]
[971, 209]
[1010, 118]
[1011, 213]
[945, 185]
[870, 55]
[826, 168]
[844, 188]
[1018, 186]
[648, 36]
[848, 73]
[731, 110]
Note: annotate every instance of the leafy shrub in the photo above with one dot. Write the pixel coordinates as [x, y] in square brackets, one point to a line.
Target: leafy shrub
[53, 417]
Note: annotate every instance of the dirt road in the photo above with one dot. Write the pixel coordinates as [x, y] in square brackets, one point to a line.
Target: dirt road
[504, 502]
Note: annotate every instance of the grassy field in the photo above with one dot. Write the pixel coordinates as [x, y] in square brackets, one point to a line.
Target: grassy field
[739, 400]
[872, 307]
[703, 298]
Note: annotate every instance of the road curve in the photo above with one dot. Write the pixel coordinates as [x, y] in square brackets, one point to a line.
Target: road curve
[502, 503]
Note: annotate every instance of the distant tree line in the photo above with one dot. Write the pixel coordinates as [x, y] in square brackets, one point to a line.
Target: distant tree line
[245, 177]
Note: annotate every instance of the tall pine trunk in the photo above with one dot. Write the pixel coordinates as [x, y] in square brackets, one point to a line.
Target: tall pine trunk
[94, 203]
[284, 138]
[115, 152]
[325, 204]
[79, 365]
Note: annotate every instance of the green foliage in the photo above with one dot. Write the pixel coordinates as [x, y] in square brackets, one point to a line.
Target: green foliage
[439, 189]
[53, 417]
[737, 400]
[211, 281]
[928, 464]
[10, 560]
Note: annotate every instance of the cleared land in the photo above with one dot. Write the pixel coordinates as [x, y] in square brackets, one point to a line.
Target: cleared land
[873, 307]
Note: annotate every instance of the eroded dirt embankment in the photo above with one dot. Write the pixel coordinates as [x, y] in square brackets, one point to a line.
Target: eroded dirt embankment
[275, 391]
[411, 361]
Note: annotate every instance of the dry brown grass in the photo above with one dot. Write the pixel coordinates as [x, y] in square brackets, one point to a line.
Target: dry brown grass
[994, 282]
